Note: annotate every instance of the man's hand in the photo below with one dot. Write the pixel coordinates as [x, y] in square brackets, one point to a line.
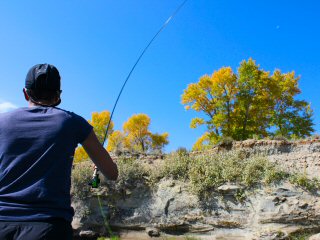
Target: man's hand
[100, 157]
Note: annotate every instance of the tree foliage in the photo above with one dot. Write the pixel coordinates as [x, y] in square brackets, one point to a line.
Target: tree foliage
[158, 141]
[247, 103]
[136, 136]
[201, 142]
[116, 141]
[291, 117]
[137, 132]
[99, 122]
[139, 138]
[80, 155]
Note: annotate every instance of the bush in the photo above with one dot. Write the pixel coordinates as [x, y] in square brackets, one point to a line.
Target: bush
[176, 165]
[225, 142]
[273, 174]
[207, 171]
[130, 170]
[182, 151]
[254, 170]
[204, 172]
[315, 137]
[80, 179]
[304, 182]
[280, 138]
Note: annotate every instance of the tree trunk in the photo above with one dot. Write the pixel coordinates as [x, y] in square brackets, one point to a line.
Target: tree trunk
[244, 129]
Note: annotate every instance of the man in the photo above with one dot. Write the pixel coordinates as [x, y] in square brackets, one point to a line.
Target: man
[37, 145]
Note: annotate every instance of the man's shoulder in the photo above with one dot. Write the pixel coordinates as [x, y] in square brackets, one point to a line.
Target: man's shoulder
[39, 112]
[66, 113]
[13, 112]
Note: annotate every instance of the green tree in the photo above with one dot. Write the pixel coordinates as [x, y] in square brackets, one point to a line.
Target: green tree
[254, 103]
[290, 117]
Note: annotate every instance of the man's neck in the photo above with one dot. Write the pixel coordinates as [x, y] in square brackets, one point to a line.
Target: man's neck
[31, 104]
[41, 104]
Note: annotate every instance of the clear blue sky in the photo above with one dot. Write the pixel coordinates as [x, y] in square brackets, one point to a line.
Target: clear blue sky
[95, 43]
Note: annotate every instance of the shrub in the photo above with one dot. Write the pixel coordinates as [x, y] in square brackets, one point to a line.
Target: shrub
[208, 171]
[204, 172]
[273, 174]
[256, 137]
[303, 181]
[80, 179]
[254, 170]
[176, 165]
[182, 151]
[280, 138]
[225, 142]
[315, 137]
[130, 170]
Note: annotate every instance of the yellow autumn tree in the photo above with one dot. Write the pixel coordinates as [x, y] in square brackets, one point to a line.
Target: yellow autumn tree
[247, 103]
[139, 138]
[137, 132]
[80, 155]
[116, 141]
[158, 141]
[99, 122]
[214, 96]
[202, 142]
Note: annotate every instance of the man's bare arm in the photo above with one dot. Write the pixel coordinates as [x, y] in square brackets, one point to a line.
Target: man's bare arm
[100, 156]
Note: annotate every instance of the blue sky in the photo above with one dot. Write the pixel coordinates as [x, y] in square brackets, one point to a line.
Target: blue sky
[94, 44]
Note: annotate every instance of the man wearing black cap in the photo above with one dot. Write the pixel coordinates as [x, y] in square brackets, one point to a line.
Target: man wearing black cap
[37, 145]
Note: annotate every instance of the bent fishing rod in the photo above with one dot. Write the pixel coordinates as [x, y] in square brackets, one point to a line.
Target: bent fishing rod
[136, 63]
[96, 180]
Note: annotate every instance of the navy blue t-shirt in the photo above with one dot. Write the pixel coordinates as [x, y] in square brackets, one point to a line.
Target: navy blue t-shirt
[37, 146]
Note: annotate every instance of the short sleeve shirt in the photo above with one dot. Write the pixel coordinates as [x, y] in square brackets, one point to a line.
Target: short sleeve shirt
[37, 146]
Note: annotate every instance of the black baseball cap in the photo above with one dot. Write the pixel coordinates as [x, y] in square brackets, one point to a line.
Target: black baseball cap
[43, 77]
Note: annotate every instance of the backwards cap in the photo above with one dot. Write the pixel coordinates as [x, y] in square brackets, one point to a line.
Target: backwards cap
[43, 77]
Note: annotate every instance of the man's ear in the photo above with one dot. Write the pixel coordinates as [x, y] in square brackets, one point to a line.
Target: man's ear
[26, 96]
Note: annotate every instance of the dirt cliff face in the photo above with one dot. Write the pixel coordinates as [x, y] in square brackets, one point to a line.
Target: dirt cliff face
[229, 212]
[296, 156]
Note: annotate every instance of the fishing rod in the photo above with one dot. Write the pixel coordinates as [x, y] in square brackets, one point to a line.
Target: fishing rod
[137, 61]
[96, 180]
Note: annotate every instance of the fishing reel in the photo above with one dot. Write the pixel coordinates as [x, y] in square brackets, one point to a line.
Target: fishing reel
[95, 181]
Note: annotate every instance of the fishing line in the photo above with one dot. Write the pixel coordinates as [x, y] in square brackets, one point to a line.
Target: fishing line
[135, 64]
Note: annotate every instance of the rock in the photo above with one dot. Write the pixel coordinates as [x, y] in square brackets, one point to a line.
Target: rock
[303, 205]
[283, 192]
[229, 189]
[273, 235]
[201, 228]
[88, 234]
[153, 232]
[315, 237]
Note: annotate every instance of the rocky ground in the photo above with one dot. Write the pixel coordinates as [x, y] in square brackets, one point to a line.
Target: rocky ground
[230, 212]
[265, 213]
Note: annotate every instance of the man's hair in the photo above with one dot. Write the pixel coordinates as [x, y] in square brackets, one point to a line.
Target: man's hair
[47, 96]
